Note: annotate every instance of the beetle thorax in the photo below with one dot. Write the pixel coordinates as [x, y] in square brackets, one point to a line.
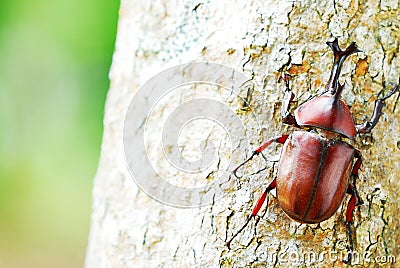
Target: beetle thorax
[327, 112]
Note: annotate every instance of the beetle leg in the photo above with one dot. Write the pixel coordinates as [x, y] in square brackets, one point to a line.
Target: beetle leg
[349, 225]
[354, 173]
[280, 139]
[287, 117]
[260, 202]
[366, 127]
[354, 201]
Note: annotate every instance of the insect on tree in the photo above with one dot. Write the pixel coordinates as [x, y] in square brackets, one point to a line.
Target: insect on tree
[317, 167]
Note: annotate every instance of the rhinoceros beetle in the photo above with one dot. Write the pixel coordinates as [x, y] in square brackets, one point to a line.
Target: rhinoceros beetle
[317, 167]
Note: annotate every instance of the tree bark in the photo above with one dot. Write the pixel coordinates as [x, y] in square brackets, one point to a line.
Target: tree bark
[260, 39]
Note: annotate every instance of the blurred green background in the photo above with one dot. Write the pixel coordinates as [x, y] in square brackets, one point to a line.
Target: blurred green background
[55, 59]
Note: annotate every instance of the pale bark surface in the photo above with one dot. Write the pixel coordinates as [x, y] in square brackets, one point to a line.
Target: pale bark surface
[260, 38]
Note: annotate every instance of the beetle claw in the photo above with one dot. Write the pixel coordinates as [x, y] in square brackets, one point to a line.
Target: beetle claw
[348, 260]
[242, 164]
[350, 246]
[395, 89]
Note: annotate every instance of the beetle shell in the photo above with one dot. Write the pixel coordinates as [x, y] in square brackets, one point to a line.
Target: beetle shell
[326, 112]
[313, 176]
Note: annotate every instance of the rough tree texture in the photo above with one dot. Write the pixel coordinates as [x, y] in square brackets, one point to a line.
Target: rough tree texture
[261, 38]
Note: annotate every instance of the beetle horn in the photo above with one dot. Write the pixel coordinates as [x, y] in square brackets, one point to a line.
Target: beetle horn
[338, 91]
[339, 57]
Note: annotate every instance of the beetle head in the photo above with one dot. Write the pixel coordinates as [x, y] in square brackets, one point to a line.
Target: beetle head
[327, 111]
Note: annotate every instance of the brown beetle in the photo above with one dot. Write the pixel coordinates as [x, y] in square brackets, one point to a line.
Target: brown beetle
[316, 167]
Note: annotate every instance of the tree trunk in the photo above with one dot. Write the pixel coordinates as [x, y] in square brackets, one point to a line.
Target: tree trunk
[152, 212]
